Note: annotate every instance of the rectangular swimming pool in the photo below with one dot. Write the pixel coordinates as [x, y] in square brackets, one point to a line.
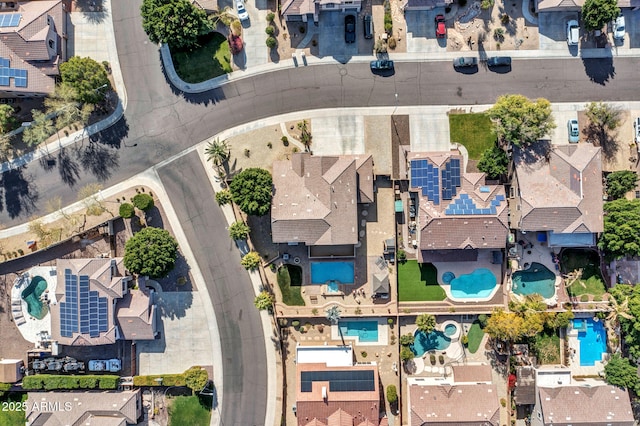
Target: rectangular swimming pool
[324, 272]
[593, 340]
[366, 331]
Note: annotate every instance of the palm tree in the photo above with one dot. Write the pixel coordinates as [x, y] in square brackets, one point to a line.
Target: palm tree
[225, 16]
[333, 314]
[305, 134]
[40, 129]
[217, 152]
[618, 310]
[426, 323]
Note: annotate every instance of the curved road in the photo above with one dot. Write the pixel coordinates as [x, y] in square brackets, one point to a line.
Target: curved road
[160, 122]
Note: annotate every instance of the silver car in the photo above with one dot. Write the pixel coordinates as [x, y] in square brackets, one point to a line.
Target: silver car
[465, 61]
[573, 130]
[619, 28]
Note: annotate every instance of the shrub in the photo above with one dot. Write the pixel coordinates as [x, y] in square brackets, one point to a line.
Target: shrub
[392, 394]
[285, 141]
[271, 42]
[597, 299]
[498, 34]
[392, 42]
[295, 323]
[196, 378]
[88, 382]
[250, 260]
[486, 4]
[54, 382]
[364, 354]
[239, 231]
[108, 382]
[465, 340]
[407, 339]
[406, 354]
[390, 321]
[402, 255]
[143, 202]
[167, 380]
[504, 19]
[223, 197]
[482, 319]
[503, 402]
[270, 30]
[4, 387]
[584, 298]
[126, 210]
[270, 17]
[314, 311]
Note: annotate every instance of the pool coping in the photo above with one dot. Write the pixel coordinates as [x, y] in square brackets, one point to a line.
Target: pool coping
[447, 290]
[30, 328]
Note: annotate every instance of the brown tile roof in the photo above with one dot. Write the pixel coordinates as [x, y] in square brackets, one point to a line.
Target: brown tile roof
[444, 226]
[315, 422]
[315, 200]
[472, 373]
[454, 405]
[136, 316]
[94, 408]
[357, 406]
[298, 7]
[564, 194]
[582, 405]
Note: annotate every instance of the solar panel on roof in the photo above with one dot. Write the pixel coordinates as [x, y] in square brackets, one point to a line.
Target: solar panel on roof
[339, 381]
[10, 19]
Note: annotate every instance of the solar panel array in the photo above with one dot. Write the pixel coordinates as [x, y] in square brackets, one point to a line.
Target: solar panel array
[83, 311]
[450, 178]
[7, 73]
[466, 206]
[339, 381]
[425, 175]
[10, 19]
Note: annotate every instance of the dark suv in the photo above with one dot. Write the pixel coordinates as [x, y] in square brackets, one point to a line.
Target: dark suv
[350, 29]
[368, 26]
[381, 65]
[499, 61]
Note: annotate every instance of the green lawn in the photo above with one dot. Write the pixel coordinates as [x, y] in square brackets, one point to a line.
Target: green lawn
[211, 59]
[289, 281]
[547, 348]
[475, 336]
[187, 410]
[418, 282]
[12, 417]
[591, 280]
[474, 131]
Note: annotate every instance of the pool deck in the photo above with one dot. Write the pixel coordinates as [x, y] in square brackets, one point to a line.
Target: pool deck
[29, 326]
[463, 268]
[574, 356]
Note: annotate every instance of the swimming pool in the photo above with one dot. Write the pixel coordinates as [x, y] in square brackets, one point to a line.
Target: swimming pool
[437, 340]
[478, 284]
[332, 287]
[32, 295]
[321, 272]
[537, 279]
[366, 331]
[593, 340]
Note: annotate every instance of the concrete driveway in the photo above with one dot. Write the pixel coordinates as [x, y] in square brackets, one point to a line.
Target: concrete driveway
[331, 36]
[421, 31]
[255, 50]
[429, 132]
[552, 27]
[336, 135]
[562, 113]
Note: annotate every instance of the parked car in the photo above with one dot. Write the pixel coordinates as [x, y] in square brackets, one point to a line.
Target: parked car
[243, 15]
[441, 28]
[574, 131]
[381, 65]
[636, 128]
[573, 32]
[619, 28]
[368, 26]
[465, 61]
[109, 365]
[350, 29]
[499, 61]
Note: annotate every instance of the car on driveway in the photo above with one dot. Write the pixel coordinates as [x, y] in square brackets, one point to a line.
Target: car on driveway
[636, 129]
[381, 65]
[350, 29]
[619, 28]
[465, 61]
[367, 26]
[243, 15]
[441, 28]
[108, 365]
[573, 32]
[573, 130]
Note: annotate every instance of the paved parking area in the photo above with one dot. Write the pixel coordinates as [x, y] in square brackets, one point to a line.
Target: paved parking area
[421, 31]
[562, 113]
[331, 36]
[429, 132]
[337, 135]
[255, 50]
[552, 27]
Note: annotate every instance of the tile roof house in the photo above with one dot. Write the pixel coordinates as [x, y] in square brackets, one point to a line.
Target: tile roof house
[560, 195]
[31, 46]
[458, 213]
[467, 398]
[84, 408]
[575, 5]
[334, 392]
[316, 198]
[95, 305]
[301, 10]
[426, 4]
[582, 405]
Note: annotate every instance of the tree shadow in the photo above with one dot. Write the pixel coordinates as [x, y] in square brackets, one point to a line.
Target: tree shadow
[607, 141]
[98, 160]
[68, 169]
[179, 278]
[599, 70]
[47, 162]
[274, 55]
[19, 192]
[113, 135]
[535, 152]
[93, 10]
[177, 307]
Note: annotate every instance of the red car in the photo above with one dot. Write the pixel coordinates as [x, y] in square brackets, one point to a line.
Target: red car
[441, 29]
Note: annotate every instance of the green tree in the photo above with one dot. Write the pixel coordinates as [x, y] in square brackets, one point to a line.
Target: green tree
[621, 182]
[64, 103]
[251, 190]
[620, 372]
[178, 23]
[196, 378]
[143, 202]
[250, 260]
[226, 16]
[618, 311]
[264, 301]
[494, 162]
[217, 152]
[126, 210]
[562, 319]
[406, 354]
[626, 312]
[504, 326]
[621, 234]
[426, 323]
[392, 394]
[407, 339]
[87, 77]
[532, 324]
[597, 13]
[603, 119]
[8, 120]
[40, 130]
[239, 231]
[151, 252]
[271, 42]
[305, 133]
[520, 121]
[223, 197]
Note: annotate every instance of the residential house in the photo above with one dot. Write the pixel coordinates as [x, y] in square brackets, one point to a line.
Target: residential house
[95, 305]
[466, 397]
[459, 213]
[426, 4]
[88, 408]
[32, 35]
[302, 10]
[558, 195]
[333, 391]
[316, 199]
[575, 5]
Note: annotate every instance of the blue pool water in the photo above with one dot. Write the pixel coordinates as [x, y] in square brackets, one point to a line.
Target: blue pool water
[436, 340]
[478, 284]
[366, 331]
[321, 272]
[537, 279]
[450, 330]
[593, 340]
[332, 287]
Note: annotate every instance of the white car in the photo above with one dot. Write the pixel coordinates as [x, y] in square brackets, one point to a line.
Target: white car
[109, 365]
[618, 28]
[243, 15]
[636, 129]
[573, 32]
[573, 130]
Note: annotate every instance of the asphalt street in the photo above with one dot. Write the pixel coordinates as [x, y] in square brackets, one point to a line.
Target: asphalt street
[241, 337]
